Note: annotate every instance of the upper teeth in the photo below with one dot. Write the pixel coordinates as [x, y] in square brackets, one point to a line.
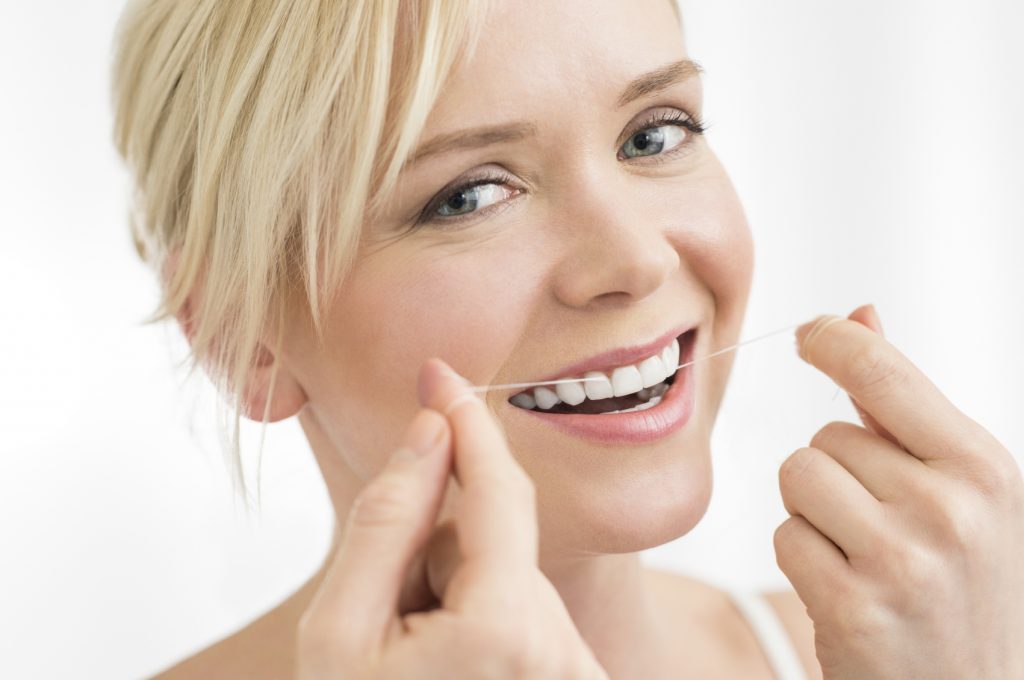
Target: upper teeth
[624, 380]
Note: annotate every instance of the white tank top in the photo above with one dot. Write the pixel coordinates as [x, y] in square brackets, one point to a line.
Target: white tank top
[768, 629]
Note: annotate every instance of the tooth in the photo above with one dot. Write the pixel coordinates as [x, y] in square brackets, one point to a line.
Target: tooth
[639, 407]
[524, 400]
[545, 397]
[571, 393]
[652, 371]
[670, 355]
[644, 394]
[626, 380]
[666, 358]
[597, 389]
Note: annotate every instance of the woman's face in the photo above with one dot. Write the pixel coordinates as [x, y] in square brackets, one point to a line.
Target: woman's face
[583, 236]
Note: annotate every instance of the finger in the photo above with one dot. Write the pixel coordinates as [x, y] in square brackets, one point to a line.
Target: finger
[887, 471]
[867, 315]
[387, 524]
[497, 519]
[817, 487]
[889, 387]
[814, 565]
[431, 569]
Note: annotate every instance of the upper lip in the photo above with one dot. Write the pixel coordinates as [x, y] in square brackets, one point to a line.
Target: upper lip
[622, 356]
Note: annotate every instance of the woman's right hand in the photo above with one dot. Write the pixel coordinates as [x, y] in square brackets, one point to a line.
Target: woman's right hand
[499, 616]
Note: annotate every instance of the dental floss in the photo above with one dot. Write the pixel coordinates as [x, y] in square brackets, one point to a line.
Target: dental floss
[512, 386]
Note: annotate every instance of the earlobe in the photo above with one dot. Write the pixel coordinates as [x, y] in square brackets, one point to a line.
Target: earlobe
[287, 398]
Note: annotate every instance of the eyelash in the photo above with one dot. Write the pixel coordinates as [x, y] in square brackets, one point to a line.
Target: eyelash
[692, 123]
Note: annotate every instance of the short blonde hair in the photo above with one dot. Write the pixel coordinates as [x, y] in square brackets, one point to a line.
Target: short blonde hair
[259, 135]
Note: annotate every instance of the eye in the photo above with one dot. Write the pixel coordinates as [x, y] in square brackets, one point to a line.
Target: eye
[660, 135]
[470, 199]
[467, 200]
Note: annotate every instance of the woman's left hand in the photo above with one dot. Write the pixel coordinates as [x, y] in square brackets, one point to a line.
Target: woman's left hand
[906, 536]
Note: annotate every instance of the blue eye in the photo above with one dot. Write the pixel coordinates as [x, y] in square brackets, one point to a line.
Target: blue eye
[661, 134]
[470, 199]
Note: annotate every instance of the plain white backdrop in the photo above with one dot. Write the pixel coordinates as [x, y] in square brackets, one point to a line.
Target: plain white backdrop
[878, 149]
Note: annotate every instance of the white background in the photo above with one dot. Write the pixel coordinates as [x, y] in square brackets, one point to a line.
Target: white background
[877, 147]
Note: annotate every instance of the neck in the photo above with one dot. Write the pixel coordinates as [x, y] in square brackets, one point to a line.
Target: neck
[607, 596]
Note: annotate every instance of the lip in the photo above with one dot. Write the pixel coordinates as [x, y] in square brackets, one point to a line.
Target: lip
[618, 357]
[639, 427]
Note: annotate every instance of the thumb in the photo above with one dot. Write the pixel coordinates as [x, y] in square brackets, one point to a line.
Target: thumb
[867, 315]
[388, 524]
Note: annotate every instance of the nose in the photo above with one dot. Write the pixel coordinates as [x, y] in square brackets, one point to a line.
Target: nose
[615, 254]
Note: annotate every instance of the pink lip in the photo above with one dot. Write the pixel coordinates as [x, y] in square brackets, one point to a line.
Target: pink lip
[671, 413]
[617, 357]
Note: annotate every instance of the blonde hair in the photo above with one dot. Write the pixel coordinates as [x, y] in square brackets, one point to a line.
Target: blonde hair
[259, 135]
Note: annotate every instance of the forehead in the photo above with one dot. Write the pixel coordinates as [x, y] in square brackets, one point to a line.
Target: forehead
[538, 56]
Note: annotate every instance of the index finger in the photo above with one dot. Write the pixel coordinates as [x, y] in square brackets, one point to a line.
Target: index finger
[496, 521]
[889, 386]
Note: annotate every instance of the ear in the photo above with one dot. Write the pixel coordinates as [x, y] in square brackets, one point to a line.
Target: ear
[288, 398]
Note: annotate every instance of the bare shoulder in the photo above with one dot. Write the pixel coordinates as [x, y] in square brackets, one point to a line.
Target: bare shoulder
[239, 656]
[794, 618]
[212, 662]
[262, 650]
[724, 632]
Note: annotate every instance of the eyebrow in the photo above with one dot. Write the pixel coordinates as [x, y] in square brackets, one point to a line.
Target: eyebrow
[658, 80]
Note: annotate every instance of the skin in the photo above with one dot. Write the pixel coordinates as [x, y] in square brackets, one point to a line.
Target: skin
[589, 252]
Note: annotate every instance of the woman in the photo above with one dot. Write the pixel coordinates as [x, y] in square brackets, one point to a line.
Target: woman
[348, 200]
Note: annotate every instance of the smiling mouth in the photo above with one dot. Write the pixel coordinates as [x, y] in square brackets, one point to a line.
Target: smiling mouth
[624, 389]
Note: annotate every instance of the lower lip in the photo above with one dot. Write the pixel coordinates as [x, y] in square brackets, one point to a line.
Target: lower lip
[639, 427]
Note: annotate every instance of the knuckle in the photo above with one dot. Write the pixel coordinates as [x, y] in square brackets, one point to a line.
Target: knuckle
[958, 525]
[784, 533]
[864, 620]
[510, 644]
[998, 477]
[785, 538]
[317, 641]
[522, 650]
[912, 568]
[383, 502]
[876, 370]
[796, 467]
[828, 437]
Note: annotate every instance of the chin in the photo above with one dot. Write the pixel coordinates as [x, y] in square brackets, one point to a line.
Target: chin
[627, 507]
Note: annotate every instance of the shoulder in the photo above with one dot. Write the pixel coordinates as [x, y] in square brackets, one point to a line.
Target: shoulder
[211, 662]
[256, 652]
[793, 614]
[262, 650]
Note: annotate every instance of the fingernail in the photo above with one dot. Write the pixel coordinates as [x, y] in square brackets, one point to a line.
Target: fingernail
[451, 371]
[424, 433]
[878, 319]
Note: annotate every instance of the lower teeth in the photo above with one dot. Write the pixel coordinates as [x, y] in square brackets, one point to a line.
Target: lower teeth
[641, 407]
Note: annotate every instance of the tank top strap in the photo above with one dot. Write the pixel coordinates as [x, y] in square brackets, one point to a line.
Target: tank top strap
[770, 632]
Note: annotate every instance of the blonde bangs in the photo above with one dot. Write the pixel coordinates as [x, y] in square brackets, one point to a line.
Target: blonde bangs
[259, 136]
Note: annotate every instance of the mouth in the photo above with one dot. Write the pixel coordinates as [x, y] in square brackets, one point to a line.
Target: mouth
[622, 381]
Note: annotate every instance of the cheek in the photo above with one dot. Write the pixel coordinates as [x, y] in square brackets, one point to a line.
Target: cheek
[717, 244]
[711, 233]
[465, 305]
